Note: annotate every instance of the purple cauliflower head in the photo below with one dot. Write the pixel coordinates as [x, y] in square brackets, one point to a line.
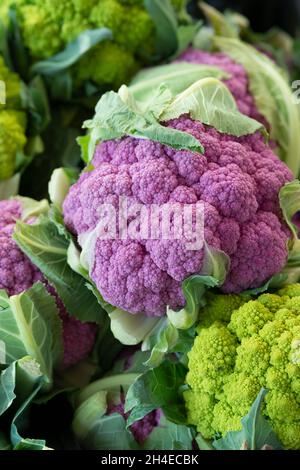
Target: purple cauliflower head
[236, 179]
[238, 82]
[17, 273]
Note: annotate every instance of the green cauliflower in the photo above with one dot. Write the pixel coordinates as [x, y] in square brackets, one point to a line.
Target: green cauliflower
[12, 122]
[47, 26]
[235, 354]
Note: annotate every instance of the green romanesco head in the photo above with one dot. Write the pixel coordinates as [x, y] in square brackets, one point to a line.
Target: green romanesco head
[47, 26]
[12, 86]
[12, 140]
[256, 344]
[220, 308]
[12, 122]
[118, 65]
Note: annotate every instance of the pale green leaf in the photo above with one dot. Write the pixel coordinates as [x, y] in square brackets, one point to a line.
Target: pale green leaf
[160, 341]
[7, 387]
[10, 187]
[118, 115]
[73, 52]
[210, 102]
[110, 383]
[157, 388]
[273, 97]
[48, 250]
[30, 325]
[169, 436]
[59, 184]
[177, 77]
[219, 22]
[165, 21]
[109, 432]
[213, 274]
[17, 441]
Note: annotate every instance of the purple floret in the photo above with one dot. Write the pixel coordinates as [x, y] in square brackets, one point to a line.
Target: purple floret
[237, 180]
[18, 274]
[238, 82]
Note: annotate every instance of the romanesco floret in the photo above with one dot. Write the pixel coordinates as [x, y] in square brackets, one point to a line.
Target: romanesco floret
[272, 302]
[249, 319]
[291, 290]
[12, 122]
[107, 54]
[12, 140]
[261, 349]
[47, 26]
[12, 86]
[220, 308]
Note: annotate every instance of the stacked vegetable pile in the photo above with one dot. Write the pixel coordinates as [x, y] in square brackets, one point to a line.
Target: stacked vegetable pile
[140, 341]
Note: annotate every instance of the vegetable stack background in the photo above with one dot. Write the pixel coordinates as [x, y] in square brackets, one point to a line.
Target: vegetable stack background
[138, 341]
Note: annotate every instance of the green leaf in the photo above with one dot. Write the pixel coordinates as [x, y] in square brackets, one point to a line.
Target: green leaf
[7, 387]
[186, 34]
[47, 249]
[30, 325]
[118, 114]
[56, 216]
[169, 436]
[4, 48]
[31, 208]
[72, 53]
[10, 187]
[91, 409]
[214, 272]
[106, 348]
[83, 142]
[16, 44]
[28, 375]
[203, 444]
[17, 441]
[289, 199]
[219, 22]
[160, 341]
[135, 364]
[130, 329]
[176, 78]
[204, 39]
[276, 282]
[109, 383]
[273, 97]
[59, 184]
[165, 21]
[31, 444]
[256, 431]
[210, 102]
[4, 443]
[157, 388]
[60, 86]
[109, 432]
[36, 102]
